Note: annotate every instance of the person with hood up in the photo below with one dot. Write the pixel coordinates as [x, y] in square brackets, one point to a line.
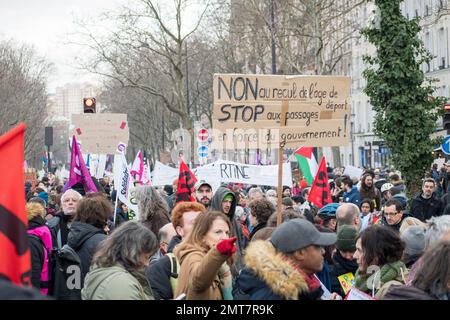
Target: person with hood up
[204, 271]
[153, 210]
[117, 271]
[225, 201]
[89, 228]
[40, 241]
[284, 268]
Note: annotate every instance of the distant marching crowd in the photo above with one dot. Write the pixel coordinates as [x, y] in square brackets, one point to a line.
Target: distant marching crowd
[371, 242]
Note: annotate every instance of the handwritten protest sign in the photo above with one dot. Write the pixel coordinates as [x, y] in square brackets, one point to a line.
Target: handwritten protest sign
[100, 133]
[247, 111]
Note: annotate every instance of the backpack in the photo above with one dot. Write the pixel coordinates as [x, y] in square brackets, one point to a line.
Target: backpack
[67, 274]
[174, 267]
[46, 271]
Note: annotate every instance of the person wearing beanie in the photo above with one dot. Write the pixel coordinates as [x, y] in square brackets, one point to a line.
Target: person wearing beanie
[44, 196]
[343, 261]
[287, 203]
[414, 239]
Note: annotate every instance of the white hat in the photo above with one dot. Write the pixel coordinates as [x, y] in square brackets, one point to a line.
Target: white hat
[386, 187]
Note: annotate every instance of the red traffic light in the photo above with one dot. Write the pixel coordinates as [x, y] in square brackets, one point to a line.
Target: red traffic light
[89, 105]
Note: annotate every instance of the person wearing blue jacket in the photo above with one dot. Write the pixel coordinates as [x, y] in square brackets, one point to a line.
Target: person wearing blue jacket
[351, 194]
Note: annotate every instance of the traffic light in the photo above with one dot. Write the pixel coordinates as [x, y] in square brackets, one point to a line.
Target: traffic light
[89, 105]
[446, 117]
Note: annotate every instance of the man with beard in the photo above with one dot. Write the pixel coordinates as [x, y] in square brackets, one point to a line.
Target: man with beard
[203, 193]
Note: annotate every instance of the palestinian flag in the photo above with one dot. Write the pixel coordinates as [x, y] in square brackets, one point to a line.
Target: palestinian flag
[15, 258]
[186, 184]
[307, 163]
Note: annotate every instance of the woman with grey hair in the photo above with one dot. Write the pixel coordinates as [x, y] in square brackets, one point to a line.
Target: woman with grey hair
[153, 209]
[117, 271]
[437, 228]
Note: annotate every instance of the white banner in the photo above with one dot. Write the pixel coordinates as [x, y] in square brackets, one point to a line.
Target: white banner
[164, 175]
[227, 171]
[124, 187]
[101, 166]
[353, 172]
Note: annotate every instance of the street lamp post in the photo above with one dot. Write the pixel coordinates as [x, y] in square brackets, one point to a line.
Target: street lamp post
[352, 128]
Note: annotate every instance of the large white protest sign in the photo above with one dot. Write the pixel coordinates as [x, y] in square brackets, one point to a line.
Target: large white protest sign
[353, 172]
[251, 174]
[227, 171]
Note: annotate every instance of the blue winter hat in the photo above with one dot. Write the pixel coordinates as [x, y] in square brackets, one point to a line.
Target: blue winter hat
[44, 196]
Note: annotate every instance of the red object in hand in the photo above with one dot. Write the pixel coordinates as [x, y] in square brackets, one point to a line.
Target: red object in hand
[226, 246]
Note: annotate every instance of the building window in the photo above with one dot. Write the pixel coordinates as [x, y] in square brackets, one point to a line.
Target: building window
[427, 11]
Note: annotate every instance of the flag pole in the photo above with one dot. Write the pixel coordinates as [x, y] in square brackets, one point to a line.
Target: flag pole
[117, 196]
[284, 109]
[115, 206]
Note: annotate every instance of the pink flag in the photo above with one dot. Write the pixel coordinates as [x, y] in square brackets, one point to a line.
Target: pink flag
[138, 167]
[78, 171]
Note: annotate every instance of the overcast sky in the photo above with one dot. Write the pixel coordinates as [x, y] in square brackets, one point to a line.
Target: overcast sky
[44, 24]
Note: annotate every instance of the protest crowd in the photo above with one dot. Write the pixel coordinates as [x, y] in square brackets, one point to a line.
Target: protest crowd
[197, 239]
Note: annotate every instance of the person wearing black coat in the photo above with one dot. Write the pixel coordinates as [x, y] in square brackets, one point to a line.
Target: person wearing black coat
[121, 214]
[159, 272]
[340, 266]
[343, 261]
[39, 240]
[59, 224]
[426, 204]
[260, 212]
[84, 238]
[89, 228]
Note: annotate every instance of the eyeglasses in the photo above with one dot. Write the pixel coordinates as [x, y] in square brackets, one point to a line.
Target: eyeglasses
[390, 214]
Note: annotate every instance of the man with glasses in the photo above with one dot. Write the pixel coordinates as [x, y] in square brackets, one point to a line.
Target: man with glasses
[393, 215]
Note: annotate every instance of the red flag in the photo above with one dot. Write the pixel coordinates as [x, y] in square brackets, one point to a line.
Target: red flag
[320, 194]
[186, 184]
[14, 250]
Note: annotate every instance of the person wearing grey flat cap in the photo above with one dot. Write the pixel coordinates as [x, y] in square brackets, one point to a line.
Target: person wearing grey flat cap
[285, 267]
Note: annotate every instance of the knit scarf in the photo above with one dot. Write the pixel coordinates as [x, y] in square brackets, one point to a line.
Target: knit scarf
[388, 272]
[312, 281]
